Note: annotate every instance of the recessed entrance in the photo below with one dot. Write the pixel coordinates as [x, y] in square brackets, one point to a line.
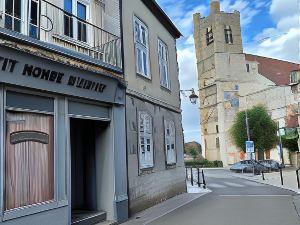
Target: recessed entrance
[83, 172]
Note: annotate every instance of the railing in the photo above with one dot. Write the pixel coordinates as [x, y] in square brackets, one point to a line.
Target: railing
[191, 173]
[297, 175]
[47, 22]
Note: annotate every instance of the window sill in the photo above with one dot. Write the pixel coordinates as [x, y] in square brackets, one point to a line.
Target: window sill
[147, 78]
[33, 209]
[167, 89]
[146, 171]
[171, 166]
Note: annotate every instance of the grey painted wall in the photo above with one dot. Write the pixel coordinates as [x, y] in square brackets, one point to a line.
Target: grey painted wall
[146, 189]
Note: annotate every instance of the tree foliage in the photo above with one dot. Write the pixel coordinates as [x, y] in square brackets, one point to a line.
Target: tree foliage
[290, 140]
[263, 130]
[194, 153]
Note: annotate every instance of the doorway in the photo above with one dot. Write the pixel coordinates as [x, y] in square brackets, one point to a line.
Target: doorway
[84, 197]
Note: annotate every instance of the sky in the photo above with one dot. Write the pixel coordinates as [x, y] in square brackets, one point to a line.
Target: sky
[270, 28]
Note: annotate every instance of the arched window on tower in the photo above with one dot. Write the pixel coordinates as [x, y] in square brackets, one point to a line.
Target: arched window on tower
[228, 34]
[209, 36]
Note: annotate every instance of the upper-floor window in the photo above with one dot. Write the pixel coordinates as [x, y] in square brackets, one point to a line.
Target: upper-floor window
[293, 77]
[163, 64]
[145, 141]
[141, 48]
[248, 67]
[228, 34]
[217, 142]
[75, 29]
[21, 20]
[170, 134]
[209, 36]
[13, 15]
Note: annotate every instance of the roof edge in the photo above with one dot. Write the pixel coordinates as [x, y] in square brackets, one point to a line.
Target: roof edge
[163, 17]
[272, 58]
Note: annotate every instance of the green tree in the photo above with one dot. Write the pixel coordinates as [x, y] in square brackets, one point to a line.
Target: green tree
[290, 140]
[263, 130]
[194, 153]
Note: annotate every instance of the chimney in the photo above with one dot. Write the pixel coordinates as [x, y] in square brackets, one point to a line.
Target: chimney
[214, 7]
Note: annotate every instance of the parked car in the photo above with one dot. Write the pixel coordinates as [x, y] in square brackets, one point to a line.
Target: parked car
[271, 164]
[247, 166]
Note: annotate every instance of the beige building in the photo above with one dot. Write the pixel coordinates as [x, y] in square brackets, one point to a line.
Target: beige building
[225, 75]
[154, 129]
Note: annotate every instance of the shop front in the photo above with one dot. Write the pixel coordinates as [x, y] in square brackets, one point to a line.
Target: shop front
[62, 133]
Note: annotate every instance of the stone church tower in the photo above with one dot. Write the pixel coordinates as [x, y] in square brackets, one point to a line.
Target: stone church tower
[222, 72]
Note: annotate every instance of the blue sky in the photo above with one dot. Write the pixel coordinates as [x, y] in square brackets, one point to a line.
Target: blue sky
[277, 19]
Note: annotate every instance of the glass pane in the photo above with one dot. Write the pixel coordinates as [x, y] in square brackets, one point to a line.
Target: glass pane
[144, 36]
[17, 8]
[81, 11]
[137, 32]
[8, 22]
[33, 13]
[17, 25]
[68, 6]
[145, 63]
[68, 23]
[139, 60]
[33, 31]
[9, 7]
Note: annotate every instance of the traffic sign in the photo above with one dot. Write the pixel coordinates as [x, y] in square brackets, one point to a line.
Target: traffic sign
[249, 146]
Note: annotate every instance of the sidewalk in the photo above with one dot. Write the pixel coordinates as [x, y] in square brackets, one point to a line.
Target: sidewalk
[149, 215]
[289, 182]
[288, 174]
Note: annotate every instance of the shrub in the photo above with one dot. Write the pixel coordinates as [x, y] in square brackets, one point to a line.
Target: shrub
[204, 163]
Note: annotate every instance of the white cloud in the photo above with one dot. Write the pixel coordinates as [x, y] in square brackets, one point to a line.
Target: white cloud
[283, 40]
[248, 11]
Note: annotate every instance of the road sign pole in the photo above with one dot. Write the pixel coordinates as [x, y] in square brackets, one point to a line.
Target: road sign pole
[248, 132]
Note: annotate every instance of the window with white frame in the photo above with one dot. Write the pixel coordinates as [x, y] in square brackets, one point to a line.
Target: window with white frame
[145, 141]
[141, 48]
[22, 16]
[78, 29]
[170, 138]
[163, 64]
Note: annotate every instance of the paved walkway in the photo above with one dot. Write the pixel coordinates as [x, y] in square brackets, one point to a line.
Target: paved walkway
[289, 179]
[149, 215]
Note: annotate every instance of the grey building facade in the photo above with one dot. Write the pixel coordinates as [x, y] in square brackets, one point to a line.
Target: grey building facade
[153, 115]
[62, 112]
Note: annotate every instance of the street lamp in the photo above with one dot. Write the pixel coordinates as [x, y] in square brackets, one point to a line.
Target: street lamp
[193, 97]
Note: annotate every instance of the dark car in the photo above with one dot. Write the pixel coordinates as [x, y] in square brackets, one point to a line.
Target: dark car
[248, 166]
[271, 164]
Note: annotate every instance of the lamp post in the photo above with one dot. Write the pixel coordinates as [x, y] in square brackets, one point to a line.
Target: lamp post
[193, 97]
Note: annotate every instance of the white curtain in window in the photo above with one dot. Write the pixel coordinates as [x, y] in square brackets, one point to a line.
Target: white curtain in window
[170, 138]
[142, 48]
[163, 64]
[145, 141]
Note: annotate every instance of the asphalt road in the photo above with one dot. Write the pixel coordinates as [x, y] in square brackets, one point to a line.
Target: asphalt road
[235, 201]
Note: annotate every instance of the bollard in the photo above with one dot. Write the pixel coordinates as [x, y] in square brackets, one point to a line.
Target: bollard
[186, 173]
[281, 176]
[263, 175]
[203, 179]
[192, 178]
[297, 173]
[198, 176]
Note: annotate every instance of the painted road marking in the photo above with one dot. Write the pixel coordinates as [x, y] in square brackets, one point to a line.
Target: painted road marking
[255, 195]
[234, 184]
[213, 185]
[254, 184]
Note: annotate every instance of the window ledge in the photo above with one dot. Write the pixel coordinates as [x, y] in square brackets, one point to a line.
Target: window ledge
[167, 89]
[171, 166]
[146, 171]
[33, 209]
[148, 78]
